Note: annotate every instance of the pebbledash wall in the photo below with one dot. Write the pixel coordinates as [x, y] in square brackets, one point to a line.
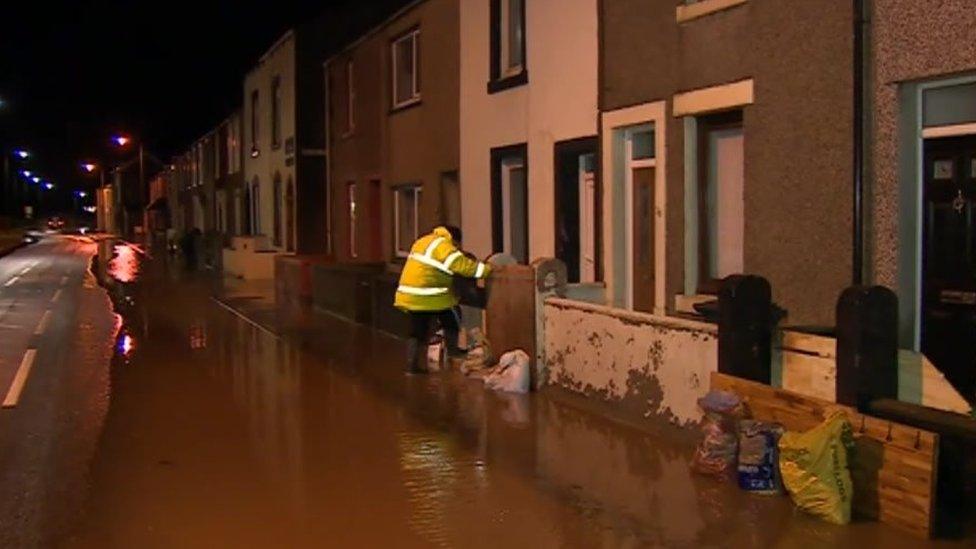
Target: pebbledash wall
[660, 68]
[912, 43]
[557, 102]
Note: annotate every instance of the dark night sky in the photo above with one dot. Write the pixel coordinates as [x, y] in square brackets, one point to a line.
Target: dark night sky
[73, 73]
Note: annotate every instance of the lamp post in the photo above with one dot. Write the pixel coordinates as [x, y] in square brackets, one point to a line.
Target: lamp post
[8, 183]
[123, 141]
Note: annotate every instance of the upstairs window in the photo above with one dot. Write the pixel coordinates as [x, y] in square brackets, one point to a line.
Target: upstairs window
[507, 44]
[406, 73]
[255, 127]
[350, 97]
[276, 112]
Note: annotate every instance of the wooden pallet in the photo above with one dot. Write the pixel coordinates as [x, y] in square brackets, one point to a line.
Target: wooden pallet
[894, 468]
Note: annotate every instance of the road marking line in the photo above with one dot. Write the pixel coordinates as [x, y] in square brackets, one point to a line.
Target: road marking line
[243, 317]
[13, 394]
[26, 270]
[11, 282]
[64, 280]
[42, 325]
[57, 296]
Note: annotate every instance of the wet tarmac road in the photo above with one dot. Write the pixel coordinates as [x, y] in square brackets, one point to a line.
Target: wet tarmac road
[56, 328]
[220, 433]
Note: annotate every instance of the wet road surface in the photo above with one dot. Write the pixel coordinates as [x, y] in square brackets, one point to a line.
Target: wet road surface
[56, 328]
[223, 433]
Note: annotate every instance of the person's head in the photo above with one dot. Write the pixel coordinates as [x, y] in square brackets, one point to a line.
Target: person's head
[455, 233]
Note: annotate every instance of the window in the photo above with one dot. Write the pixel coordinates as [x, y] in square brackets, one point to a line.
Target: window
[276, 112]
[510, 208]
[256, 207]
[276, 202]
[721, 223]
[406, 218]
[513, 34]
[233, 147]
[406, 73]
[507, 44]
[350, 98]
[351, 200]
[255, 127]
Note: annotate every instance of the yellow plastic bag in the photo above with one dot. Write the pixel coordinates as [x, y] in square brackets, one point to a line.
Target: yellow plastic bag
[815, 471]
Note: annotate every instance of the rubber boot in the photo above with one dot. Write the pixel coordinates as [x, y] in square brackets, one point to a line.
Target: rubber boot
[416, 356]
[451, 338]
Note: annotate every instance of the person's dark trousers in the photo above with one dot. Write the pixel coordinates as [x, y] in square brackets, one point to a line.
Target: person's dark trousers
[421, 326]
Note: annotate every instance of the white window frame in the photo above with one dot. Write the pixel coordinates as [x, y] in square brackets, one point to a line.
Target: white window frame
[414, 37]
[617, 188]
[417, 191]
[508, 165]
[504, 28]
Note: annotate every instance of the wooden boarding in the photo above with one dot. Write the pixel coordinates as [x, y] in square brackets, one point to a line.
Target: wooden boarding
[894, 468]
[510, 311]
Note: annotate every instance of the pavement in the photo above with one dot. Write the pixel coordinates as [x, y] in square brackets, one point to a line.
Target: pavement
[204, 416]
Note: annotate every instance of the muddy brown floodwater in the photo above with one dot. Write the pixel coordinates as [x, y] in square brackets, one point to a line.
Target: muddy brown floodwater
[221, 434]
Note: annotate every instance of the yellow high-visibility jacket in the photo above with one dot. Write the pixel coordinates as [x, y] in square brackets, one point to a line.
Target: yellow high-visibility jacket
[425, 283]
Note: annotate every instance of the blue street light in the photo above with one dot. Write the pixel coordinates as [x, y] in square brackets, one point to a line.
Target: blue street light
[27, 173]
[36, 179]
[49, 186]
[81, 194]
[22, 154]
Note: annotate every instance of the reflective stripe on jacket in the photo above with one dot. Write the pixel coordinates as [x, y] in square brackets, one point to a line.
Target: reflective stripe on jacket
[426, 280]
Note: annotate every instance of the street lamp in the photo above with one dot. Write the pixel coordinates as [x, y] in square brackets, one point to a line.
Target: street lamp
[21, 154]
[49, 186]
[26, 173]
[123, 141]
[36, 179]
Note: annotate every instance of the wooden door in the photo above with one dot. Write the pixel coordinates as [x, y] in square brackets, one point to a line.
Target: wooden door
[642, 180]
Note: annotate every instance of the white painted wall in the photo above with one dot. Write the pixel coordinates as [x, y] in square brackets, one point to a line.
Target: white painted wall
[653, 365]
[559, 102]
[279, 61]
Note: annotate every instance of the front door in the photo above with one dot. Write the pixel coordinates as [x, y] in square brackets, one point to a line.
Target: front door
[642, 179]
[949, 260]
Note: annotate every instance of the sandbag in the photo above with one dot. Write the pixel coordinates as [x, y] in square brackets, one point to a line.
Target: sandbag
[716, 453]
[815, 470]
[512, 374]
[758, 463]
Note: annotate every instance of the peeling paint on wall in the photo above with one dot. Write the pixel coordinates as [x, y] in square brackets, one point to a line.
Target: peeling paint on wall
[655, 366]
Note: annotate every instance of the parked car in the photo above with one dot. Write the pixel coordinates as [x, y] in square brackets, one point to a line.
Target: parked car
[55, 223]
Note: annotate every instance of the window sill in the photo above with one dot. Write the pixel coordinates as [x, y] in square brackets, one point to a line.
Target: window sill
[407, 105]
[690, 12]
[508, 82]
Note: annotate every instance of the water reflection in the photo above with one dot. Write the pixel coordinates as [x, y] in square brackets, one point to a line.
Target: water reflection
[318, 439]
[124, 267]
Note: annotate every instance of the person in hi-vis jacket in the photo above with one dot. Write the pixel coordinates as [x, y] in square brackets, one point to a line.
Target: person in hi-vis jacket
[426, 291]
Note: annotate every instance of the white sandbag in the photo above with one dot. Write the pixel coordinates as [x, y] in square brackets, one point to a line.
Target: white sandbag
[435, 356]
[512, 374]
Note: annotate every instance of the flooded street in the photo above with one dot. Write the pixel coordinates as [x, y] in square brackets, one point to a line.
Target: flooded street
[222, 433]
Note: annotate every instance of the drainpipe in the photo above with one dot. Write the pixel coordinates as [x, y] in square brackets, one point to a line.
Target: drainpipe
[858, 187]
